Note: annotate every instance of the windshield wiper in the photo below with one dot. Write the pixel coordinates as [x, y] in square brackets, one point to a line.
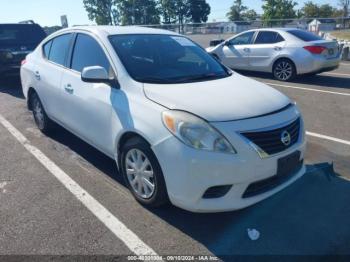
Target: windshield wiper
[154, 80]
[200, 77]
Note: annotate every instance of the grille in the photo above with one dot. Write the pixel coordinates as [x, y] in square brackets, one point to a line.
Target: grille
[271, 142]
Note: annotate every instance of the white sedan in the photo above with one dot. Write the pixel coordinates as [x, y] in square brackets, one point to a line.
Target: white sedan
[285, 52]
[182, 127]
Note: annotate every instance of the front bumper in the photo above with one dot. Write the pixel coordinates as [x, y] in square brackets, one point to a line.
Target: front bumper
[189, 173]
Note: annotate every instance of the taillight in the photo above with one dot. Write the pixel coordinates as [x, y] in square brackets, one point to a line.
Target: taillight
[23, 62]
[314, 49]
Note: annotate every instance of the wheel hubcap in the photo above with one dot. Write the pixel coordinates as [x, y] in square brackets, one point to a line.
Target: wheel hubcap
[283, 70]
[38, 114]
[140, 173]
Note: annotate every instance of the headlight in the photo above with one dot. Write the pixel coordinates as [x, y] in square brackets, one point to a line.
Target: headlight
[196, 132]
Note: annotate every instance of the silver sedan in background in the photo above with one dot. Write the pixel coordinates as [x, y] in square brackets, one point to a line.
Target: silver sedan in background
[284, 52]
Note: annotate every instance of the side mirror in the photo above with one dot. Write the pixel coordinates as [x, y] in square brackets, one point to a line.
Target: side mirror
[95, 74]
[227, 43]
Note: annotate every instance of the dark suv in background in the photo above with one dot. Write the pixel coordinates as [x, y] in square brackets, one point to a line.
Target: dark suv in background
[16, 41]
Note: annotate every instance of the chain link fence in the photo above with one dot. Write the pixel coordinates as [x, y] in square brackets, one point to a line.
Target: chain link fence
[329, 28]
[335, 28]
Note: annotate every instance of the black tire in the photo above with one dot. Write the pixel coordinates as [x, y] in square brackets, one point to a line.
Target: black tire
[284, 70]
[160, 196]
[42, 121]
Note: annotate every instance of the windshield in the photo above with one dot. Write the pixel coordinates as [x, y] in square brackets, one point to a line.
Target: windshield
[166, 59]
[21, 34]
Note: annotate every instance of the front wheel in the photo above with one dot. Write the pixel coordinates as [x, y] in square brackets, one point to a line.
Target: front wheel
[142, 173]
[284, 70]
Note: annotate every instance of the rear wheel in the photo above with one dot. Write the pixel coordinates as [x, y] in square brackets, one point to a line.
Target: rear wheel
[284, 70]
[40, 117]
[142, 173]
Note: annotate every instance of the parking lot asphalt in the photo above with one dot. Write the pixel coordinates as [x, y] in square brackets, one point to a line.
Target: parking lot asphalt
[39, 215]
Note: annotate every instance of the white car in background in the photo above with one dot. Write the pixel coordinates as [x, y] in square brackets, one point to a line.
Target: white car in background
[285, 52]
[180, 125]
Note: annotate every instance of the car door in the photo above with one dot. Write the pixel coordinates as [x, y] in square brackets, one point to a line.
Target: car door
[267, 46]
[236, 51]
[48, 74]
[87, 106]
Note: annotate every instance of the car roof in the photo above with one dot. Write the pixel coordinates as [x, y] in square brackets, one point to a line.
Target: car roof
[277, 29]
[18, 24]
[119, 30]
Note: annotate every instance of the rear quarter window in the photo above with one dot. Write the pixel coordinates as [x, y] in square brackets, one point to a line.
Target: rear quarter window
[304, 35]
[46, 49]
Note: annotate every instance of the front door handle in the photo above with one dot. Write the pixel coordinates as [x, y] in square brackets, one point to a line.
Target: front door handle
[69, 89]
[246, 49]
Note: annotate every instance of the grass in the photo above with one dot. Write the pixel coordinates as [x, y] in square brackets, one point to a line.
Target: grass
[341, 34]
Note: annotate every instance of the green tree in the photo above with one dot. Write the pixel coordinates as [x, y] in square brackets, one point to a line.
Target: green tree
[182, 12]
[345, 6]
[326, 11]
[167, 10]
[139, 12]
[278, 9]
[198, 11]
[236, 10]
[249, 15]
[103, 12]
[310, 9]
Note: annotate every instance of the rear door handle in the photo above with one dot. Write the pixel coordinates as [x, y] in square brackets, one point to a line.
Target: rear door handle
[278, 48]
[246, 49]
[69, 89]
[37, 75]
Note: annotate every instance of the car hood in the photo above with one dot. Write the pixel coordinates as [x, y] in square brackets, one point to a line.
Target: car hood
[232, 98]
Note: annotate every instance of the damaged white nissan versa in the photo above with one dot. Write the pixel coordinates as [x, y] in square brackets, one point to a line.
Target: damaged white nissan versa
[182, 127]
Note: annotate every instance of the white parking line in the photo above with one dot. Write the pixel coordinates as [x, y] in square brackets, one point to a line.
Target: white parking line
[334, 139]
[130, 239]
[309, 89]
[336, 74]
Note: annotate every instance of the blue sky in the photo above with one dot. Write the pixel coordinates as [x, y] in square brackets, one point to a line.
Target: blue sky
[48, 12]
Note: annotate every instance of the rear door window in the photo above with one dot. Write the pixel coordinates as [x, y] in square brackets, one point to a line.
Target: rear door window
[268, 37]
[87, 52]
[304, 35]
[59, 49]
